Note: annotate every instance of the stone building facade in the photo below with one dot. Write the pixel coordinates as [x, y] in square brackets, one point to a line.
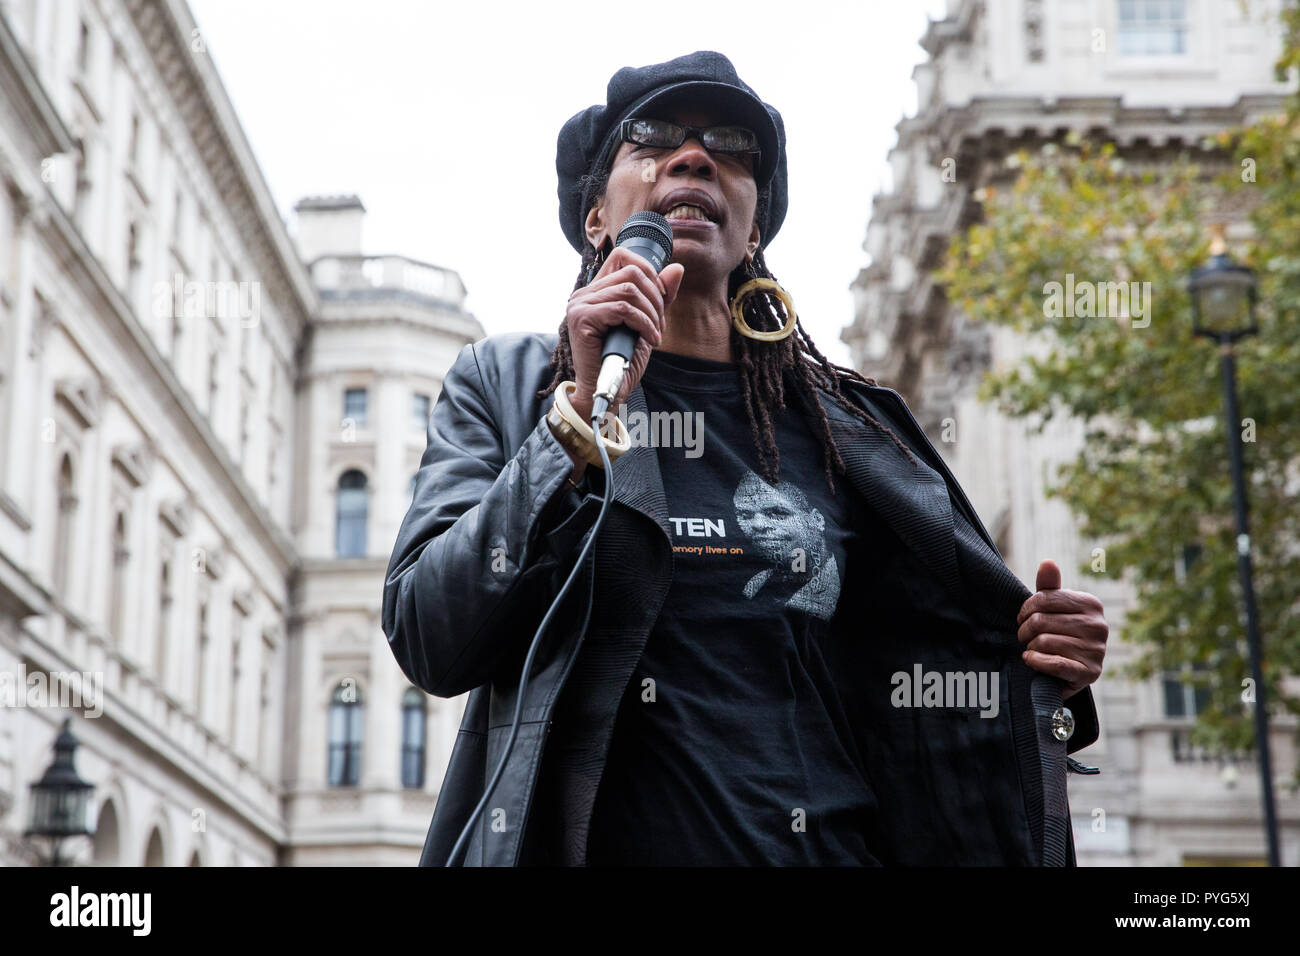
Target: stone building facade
[1156, 77]
[208, 432]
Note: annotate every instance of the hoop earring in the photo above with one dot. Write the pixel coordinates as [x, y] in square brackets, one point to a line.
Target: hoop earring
[753, 287]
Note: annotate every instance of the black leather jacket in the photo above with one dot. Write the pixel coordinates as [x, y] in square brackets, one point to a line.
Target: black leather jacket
[494, 529]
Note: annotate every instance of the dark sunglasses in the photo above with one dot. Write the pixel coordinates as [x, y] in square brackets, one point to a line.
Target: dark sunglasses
[661, 134]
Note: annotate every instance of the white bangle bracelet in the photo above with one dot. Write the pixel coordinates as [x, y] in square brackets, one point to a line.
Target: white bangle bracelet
[616, 446]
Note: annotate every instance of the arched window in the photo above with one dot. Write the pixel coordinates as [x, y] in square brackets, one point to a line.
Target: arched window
[153, 851]
[345, 729]
[413, 726]
[350, 537]
[107, 840]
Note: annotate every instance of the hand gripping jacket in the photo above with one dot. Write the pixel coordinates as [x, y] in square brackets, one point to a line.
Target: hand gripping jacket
[493, 531]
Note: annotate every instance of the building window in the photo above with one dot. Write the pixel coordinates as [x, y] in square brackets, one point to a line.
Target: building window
[245, 336]
[82, 183]
[202, 664]
[83, 49]
[66, 525]
[350, 537]
[1187, 556]
[133, 148]
[354, 406]
[214, 378]
[345, 730]
[236, 674]
[1152, 27]
[420, 412]
[1035, 48]
[413, 727]
[132, 259]
[118, 576]
[1185, 700]
[164, 613]
[264, 728]
[1185, 561]
[176, 220]
[270, 474]
[107, 846]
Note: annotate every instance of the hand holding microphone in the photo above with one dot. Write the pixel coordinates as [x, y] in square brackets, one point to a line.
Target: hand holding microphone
[614, 322]
[622, 312]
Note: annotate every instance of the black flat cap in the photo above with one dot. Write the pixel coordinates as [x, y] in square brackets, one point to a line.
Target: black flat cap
[704, 78]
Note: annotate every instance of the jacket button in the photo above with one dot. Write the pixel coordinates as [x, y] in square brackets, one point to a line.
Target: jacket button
[1063, 724]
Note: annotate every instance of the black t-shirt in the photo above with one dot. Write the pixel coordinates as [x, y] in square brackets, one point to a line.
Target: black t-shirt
[732, 745]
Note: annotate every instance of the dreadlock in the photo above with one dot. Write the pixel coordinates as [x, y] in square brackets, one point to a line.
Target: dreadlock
[768, 369]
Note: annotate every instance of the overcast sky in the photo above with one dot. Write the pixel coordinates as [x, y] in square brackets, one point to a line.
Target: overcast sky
[443, 118]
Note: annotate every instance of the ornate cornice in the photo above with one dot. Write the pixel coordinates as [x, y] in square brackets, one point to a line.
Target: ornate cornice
[1010, 117]
[191, 82]
[27, 95]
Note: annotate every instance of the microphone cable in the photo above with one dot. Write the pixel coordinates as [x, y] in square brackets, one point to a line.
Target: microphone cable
[649, 235]
[598, 410]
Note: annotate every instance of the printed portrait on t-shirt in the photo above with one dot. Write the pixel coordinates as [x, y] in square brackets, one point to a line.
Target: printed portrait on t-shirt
[786, 530]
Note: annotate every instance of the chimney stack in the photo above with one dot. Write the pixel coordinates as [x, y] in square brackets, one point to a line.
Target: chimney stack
[328, 226]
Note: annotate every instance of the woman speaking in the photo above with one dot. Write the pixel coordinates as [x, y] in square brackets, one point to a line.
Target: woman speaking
[793, 641]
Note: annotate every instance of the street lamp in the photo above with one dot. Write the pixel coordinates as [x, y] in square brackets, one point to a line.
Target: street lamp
[60, 797]
[1224, 294]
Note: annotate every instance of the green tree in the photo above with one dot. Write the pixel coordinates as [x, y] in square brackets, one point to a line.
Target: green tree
[1153, 473]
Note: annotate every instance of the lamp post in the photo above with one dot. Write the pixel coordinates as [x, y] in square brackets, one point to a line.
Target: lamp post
[1223, 295]
[60, 797]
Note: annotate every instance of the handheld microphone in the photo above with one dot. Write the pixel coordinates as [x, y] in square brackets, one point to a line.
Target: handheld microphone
[650, 236]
